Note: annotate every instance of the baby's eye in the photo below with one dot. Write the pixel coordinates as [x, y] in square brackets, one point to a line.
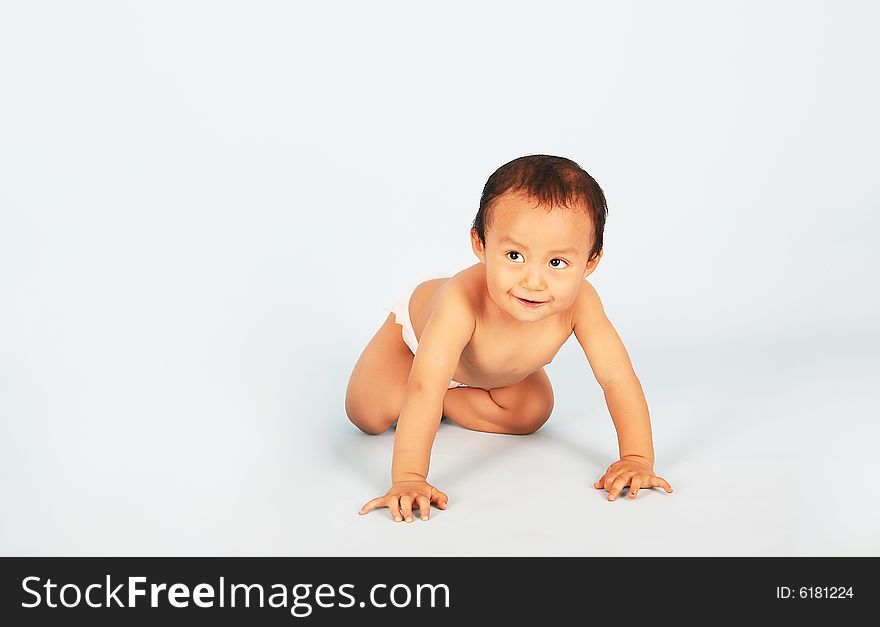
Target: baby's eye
[513, 252]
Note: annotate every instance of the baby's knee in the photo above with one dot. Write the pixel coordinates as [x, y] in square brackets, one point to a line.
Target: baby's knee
[531, 418]
[371, 425]
[370, 430]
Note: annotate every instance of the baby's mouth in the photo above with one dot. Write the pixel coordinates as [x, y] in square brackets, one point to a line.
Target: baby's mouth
[533, 302]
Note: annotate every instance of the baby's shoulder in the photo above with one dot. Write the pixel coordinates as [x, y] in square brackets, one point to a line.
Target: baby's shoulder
[465, 286]
[453, 295]
[587, 307]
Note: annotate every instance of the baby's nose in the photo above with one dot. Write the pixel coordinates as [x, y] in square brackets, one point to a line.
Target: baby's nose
[533, 282]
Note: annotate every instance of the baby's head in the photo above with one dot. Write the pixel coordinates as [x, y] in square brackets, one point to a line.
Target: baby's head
[539, 232]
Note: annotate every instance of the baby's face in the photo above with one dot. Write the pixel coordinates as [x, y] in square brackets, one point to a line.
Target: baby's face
[535, 255]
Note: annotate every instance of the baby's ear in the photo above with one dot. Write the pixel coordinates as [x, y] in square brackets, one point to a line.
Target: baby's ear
[592, 263]
[477, 245]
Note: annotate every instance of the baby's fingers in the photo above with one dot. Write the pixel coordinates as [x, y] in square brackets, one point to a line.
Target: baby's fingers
[660, 482]
[620, 482]
[634, 485]
[406, 505]
[440, 498]
[424, 507]
[609, 479]
[605, 480]
[394, 506]
[372, 504]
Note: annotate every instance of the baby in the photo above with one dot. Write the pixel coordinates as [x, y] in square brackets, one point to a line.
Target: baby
[472, 347]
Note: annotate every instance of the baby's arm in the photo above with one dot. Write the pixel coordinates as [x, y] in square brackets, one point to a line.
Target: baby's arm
[623, 394]
[447, 331]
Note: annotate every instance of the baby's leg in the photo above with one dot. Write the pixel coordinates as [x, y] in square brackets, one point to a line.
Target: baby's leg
[517, 409]
[378, 383]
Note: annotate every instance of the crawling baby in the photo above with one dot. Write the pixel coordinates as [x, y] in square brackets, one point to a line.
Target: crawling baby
[472, 347]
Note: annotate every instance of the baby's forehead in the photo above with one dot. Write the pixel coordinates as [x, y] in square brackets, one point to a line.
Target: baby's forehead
[515, 203]
[519, 216]
[553, 227]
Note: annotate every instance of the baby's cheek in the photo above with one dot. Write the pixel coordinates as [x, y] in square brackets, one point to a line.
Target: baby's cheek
[568, 301]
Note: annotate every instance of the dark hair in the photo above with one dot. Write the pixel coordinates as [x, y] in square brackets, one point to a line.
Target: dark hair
[550, 181]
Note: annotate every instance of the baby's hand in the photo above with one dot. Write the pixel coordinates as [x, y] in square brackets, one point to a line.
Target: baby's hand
[403, 495]
[633, 471]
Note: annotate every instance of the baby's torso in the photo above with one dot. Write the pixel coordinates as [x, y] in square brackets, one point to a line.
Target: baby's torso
[497, 355]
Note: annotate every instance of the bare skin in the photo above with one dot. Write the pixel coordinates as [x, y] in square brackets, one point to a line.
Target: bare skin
[473, 328]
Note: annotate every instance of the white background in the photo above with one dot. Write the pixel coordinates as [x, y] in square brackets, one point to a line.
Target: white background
[207, 208]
